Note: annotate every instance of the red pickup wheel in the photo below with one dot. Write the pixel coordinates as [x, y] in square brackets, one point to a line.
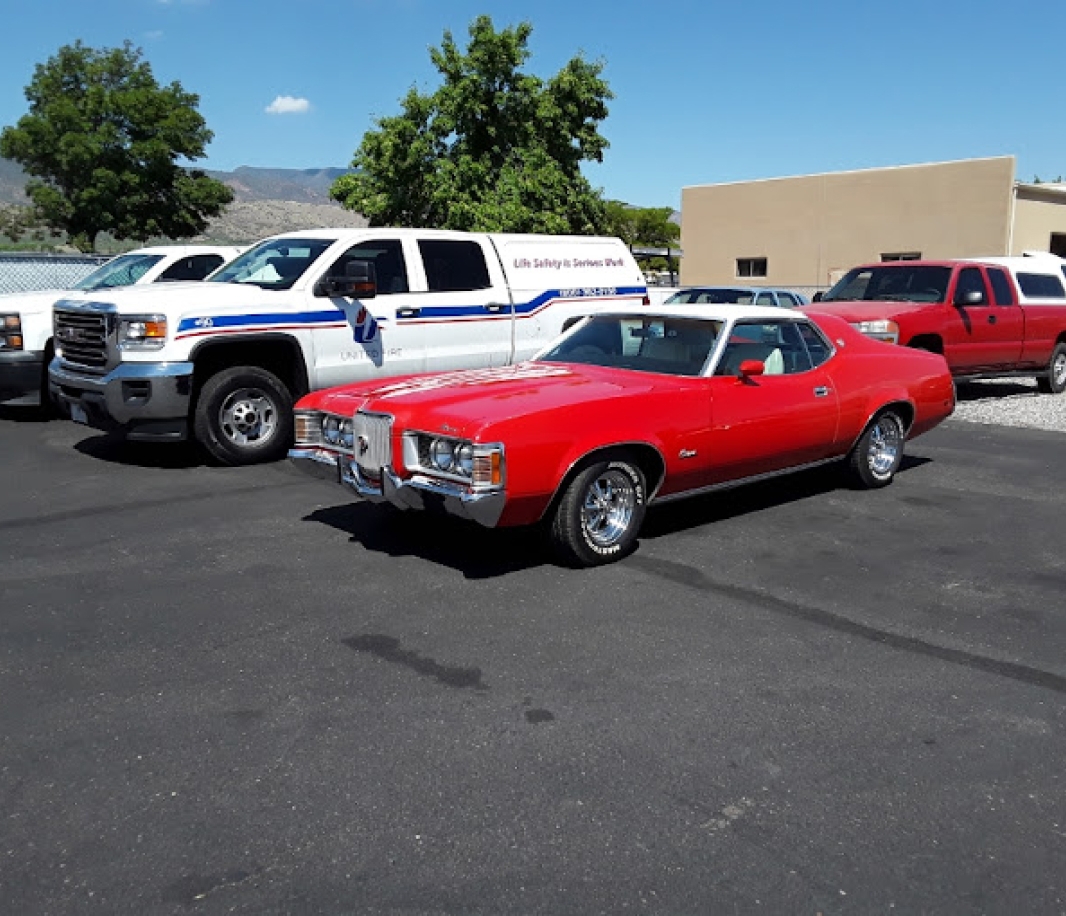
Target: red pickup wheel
[879, 452]
[600, 513]
[1055, 380]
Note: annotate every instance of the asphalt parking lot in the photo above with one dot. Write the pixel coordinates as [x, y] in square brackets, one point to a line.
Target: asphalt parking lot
[236, 690]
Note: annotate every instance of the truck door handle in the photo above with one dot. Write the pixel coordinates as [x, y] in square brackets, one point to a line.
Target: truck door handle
[408, 313]
[821, 391]
[495, 307]
[991, 319]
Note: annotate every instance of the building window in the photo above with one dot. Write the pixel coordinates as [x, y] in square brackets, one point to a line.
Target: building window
[751, 267]
[902, 256]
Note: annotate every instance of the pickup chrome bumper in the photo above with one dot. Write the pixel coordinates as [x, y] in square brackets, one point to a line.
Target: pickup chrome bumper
[145, 400]
[417, 492]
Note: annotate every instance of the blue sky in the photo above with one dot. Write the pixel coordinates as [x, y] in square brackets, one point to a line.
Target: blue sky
[705, 91]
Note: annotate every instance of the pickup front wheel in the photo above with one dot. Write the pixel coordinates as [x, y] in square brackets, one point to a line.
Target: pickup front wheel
[599, 514]
[1055, 380]
[244, 416]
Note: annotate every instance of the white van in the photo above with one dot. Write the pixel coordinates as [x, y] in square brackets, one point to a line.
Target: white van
[224, 360]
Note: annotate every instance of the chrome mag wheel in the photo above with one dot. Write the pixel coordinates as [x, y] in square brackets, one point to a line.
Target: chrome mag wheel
[886, 446]
[607, 510]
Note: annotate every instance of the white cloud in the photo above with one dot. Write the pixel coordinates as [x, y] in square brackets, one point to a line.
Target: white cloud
[154, 35]
[287, 104]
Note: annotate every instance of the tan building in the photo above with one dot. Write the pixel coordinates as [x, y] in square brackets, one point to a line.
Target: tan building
[805, 232]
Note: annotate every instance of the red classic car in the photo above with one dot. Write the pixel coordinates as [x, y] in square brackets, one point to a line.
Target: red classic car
[623, 410]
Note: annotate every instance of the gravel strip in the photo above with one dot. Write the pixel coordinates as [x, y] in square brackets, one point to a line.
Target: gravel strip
[1011, 402]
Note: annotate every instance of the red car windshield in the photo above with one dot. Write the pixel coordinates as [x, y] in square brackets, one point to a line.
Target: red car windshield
[645, 343]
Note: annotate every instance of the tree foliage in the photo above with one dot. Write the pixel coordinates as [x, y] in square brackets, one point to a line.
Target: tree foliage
[492, 149]
[103, 140]
[644, 227]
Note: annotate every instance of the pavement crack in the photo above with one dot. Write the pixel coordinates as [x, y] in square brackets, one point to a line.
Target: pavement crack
[694, 578]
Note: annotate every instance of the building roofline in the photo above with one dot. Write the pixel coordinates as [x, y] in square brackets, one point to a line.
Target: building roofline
[1041, 188]
[884, 168]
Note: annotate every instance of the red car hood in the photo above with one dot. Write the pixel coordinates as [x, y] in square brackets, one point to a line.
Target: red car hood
[469, 400]
[867, 311]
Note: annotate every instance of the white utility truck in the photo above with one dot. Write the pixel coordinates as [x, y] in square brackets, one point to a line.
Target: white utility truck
[224, 360]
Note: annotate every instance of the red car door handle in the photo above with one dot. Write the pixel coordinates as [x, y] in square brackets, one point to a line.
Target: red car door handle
[991, 319]
[821, 391]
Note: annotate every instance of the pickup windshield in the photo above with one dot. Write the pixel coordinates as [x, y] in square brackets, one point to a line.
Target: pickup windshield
[901, 284]
[273, 264]
[125, 270]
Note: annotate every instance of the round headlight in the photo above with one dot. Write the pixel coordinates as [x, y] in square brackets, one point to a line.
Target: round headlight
[347, 433]
[442, 454]
[464, 458]
[331, 430]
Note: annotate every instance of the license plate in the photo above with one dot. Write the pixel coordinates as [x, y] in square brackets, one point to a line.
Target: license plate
[78, 414]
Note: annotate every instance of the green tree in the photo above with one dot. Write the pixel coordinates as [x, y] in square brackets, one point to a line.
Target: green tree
[492, 149]
[103, 140]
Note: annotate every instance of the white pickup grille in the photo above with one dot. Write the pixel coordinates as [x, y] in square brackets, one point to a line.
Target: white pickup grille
[373, 441]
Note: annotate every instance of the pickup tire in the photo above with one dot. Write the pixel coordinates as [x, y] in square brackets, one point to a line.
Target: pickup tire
[1055, 380]
[599, 515]
[244, 416]
[877, 455]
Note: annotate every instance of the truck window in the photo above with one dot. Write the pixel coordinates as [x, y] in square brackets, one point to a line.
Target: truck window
[970, 281]
[1041, 286]
[387, 257]
[195, 267]
[898, 282]
[454, 265]
[1001, 291]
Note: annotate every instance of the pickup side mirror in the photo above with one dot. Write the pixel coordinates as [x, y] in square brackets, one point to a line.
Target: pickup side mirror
[972, 297]
[358, 282]
[817, 296]
[750, 367]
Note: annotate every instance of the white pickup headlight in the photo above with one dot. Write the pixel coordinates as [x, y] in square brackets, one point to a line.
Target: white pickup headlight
[881, 329]
[10, 332]
[142, 332]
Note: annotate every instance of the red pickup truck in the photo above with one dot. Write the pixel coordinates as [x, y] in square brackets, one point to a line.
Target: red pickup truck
[989, 318]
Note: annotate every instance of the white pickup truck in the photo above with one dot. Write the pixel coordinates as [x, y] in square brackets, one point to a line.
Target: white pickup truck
[26, 318]
[224, 360]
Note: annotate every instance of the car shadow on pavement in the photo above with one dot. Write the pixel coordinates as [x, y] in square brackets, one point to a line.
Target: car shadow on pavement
[991, 390]
[465, 546]
[485, 553]
[115, 449]
[26, 414]
[751, 498]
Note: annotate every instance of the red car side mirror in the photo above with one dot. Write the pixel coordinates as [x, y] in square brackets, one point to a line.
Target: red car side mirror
[751, 367]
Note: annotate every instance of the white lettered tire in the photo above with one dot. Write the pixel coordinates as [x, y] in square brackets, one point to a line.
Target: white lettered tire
[599, 514]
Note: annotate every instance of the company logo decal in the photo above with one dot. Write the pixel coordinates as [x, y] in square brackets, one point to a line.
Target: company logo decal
[365, 328]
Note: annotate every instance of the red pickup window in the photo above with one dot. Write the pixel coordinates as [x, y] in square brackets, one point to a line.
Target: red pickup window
[1001, 291]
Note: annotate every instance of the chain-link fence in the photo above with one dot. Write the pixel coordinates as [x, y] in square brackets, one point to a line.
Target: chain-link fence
[20, 273]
